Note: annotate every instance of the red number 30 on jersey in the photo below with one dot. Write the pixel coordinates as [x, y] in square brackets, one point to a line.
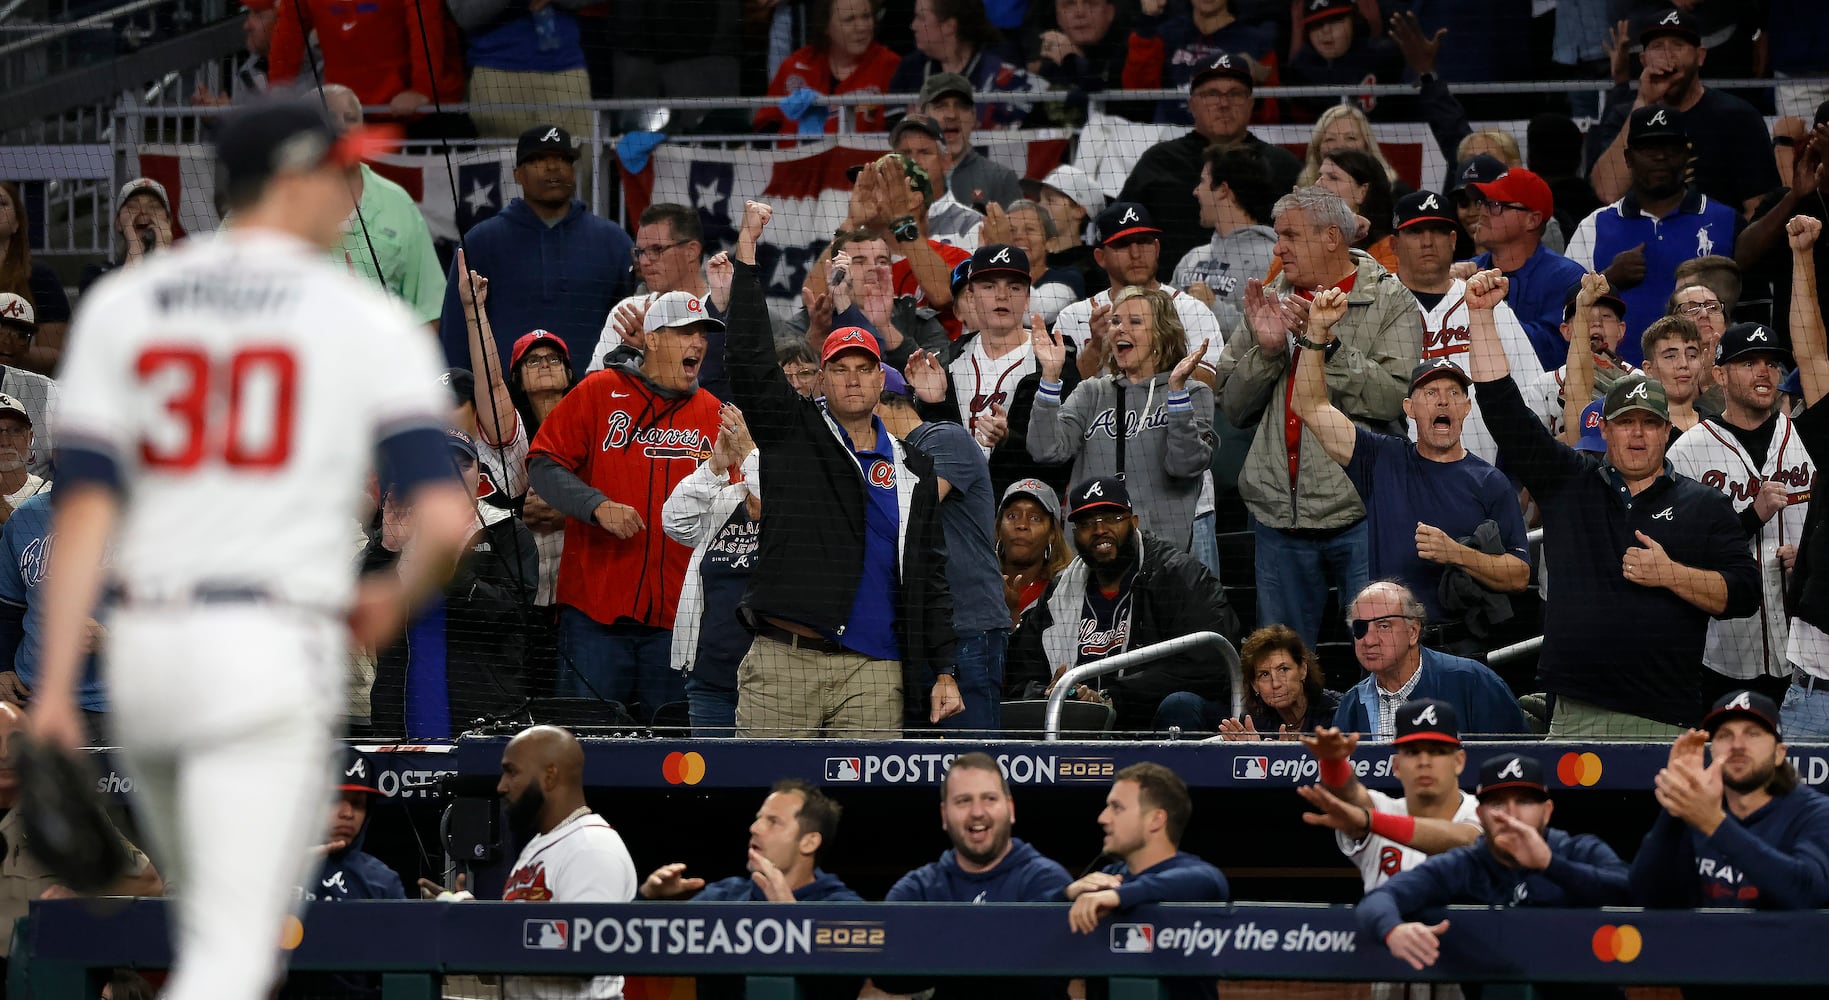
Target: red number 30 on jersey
[236, 409]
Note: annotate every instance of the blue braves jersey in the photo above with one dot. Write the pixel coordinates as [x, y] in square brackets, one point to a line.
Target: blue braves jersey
[26, 540]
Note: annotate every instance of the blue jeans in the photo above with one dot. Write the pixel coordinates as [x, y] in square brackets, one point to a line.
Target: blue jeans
[1206, 543]
[1805, 714]
[712, 709]
[1293, 575]
[629, 664]
[980, 657]
[1190, 711]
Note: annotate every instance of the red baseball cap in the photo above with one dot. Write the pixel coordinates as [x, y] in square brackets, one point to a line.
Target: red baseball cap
[1519, 186]
[528, 340]
[849, 338]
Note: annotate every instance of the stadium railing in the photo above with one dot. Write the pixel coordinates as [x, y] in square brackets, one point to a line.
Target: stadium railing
[1199, 642]
[62, 948]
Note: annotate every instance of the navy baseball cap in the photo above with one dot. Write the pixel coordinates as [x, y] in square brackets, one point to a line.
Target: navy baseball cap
[1428, 720]
[1750, 338]
[1655, 124]
[1231, 65]
[269, 138]
[461, 443]
[1670, 22]
[999, 258]
[1429, 369]
[1590, 429]
[461, 383]
[358, 773]
[542, 140]
[1105, 491]
[1743, 704]
[1124, 218]
[1511, 770]
[1480, 169]
[1424, 206]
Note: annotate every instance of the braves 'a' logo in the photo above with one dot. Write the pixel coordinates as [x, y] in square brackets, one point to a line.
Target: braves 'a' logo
[882, 475]
[1515, 769]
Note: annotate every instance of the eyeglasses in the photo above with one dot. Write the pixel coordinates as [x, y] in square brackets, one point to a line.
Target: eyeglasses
[1710, 308]
[1383, 623]
[543, 361]
[1109, 519]
[658, 249]
[801, 374]
[1501, 207]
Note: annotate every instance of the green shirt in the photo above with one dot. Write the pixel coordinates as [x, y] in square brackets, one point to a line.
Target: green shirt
[409, 266]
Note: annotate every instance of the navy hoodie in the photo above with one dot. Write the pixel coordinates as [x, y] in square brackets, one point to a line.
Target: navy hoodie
[1775, 859]
[563, 278]
[352, 874]
[1023, 876]
[1583, 872]
[1180, 878]
[824, 888]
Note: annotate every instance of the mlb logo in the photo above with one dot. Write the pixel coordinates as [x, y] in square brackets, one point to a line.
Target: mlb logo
[544, 935]
[1133, 939]
[1250, 768]
[844, 768]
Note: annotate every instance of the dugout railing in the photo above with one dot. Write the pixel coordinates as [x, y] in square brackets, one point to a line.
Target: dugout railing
[62, 949]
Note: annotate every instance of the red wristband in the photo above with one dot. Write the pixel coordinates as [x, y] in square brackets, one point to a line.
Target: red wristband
[1336, 773]
[1391, 826]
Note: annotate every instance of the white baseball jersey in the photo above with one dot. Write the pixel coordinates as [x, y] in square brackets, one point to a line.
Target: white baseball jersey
[501, 468]
[582, 860]
[1074, 322]
[981, 381]
[1753, 646]
[1545, 396]
[1380, 858]
[240, 383]
[1446, 335]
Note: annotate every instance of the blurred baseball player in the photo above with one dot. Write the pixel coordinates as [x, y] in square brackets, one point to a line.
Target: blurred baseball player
[224, 401]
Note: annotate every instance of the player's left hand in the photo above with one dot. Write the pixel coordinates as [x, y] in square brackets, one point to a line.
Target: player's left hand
[1522, 841]
[1089, 908]
[946, 698]
[769, 878]
[1692, 793]
[1336, 813]
[57, 721]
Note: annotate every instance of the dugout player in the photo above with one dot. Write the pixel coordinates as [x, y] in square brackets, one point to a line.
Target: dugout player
[1383, 834]
[986, 865]
[224, 401]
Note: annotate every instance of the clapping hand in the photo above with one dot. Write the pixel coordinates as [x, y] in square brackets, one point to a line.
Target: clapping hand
[1050, 352]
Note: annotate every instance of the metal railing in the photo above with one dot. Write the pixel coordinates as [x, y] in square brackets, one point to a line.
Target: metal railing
[1211, 642]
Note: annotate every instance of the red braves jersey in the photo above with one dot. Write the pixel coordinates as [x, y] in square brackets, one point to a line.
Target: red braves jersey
[617, 434]
[808, 67]
[377, 50]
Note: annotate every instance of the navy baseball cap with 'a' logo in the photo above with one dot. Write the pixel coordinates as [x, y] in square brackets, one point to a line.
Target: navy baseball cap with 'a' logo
[1123, 219]
[999, 258]
[1511, 770]
[1106, 491]
[1655, 124]
[1424, 206]
[1427, 720]
[1743, 704]
[543, 140]
[1430, 369]
[358, 773]
[1750, 338]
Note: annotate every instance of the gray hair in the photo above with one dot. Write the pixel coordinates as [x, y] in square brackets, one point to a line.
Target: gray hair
[1025, 205]
[1406, 599]
[1324, 209]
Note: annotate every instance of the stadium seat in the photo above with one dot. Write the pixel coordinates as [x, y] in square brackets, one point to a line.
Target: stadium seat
[1076, 716]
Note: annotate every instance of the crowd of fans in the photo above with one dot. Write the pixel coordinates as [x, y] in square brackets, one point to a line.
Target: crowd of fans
[1011, 419]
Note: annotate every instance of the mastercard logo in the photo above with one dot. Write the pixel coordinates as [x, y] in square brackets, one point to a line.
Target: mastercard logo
[291, 933]
[1578, 769]
[1617, 944]
[683, 768]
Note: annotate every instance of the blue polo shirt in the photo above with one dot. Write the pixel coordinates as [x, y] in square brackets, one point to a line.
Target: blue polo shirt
[1537, 292]
[1401, 488]
[871, 628]
[1699, 226]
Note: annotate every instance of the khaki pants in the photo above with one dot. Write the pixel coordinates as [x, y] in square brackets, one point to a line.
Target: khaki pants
[493, 86]
[1573, 720]
[791, 693]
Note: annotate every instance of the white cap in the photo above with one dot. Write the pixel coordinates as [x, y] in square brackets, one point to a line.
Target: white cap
[1078, 185]
[10, 405]
[139, 184]
[678, 309]
[752, 473]
[17, 311]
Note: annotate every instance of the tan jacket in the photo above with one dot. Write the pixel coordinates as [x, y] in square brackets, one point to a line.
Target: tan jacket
[1381, 339]
[23, 879]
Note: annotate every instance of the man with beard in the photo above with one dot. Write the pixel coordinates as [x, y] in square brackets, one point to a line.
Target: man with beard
[573, 856]
[1639, 240]
[1519, 861]
[1387, 624]
[607, 457]
[1751, 454]
[986, 865]
[1128, 589]
[1385, 835]
[1146, 812]
[1420, 497]
[1722, 125]
[1741, 832]
[555, 265]
[1130, 250]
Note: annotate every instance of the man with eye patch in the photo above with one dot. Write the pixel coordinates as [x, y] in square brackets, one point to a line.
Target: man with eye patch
[1387, 623]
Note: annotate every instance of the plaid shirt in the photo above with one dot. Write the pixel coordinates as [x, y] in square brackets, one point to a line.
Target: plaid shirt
[1388, 702]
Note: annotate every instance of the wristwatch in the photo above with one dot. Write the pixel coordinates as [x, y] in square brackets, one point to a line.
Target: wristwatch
[1314, 345]
[905, 229]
